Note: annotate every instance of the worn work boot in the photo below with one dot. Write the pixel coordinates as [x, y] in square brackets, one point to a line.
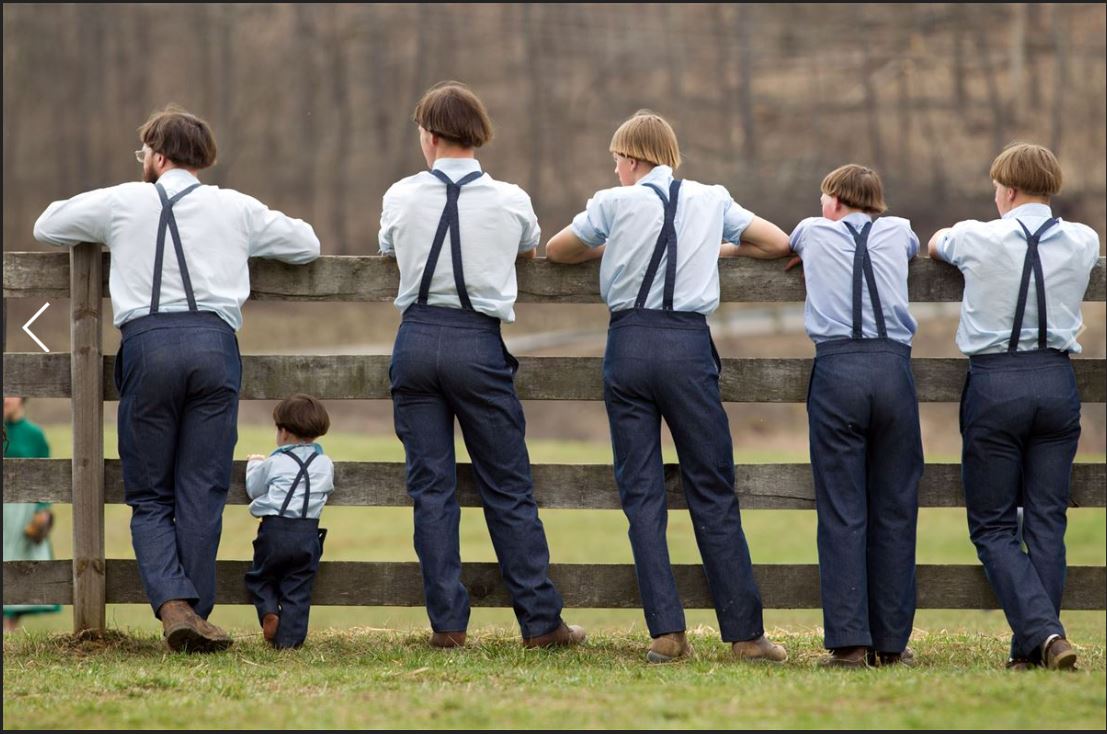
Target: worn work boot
[846, 657]
[447, 639]
[905, 658]
[1057, 654]
[269, 624]
[761, 649]
[669, 647]
[563, 636]
[215, 639]
[186, 631]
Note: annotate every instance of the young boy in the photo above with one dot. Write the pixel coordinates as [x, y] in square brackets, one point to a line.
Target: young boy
[660, 241]
[450, 361]
[863, 416]
[289, 489]
[1020, 409]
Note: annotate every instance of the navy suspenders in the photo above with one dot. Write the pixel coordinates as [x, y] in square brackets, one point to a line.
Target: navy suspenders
[1032, 261]
[863, 265]
[667, 244]
[303, 474]
[449, 221]
[170, 221]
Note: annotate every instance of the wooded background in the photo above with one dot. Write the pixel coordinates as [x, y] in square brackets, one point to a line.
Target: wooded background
[311, 104]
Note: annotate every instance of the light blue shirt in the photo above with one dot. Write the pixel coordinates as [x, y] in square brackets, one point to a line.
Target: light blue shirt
[497, 223]
[827, 250]
[991, 254]
[220, 230]
[628, 220]
[268, 481]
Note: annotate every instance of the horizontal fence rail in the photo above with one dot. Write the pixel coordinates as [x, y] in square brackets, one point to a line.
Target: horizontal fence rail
[556, 486]
[365, 377]
[609, 585]
[364, 278]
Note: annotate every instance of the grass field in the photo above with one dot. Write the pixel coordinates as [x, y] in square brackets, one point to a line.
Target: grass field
[368, 667]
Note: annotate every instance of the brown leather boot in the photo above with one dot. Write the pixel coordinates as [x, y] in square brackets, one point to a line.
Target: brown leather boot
[447, 639]
[186, 631]
[846, 657]
[563, 636]
[1057, 654]
[905, 658]
[1020, 665]
[269, 624]
[215, 639]
[669, 647]
[761, 649]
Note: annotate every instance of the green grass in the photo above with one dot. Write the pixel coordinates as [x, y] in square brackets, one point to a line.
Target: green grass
[372, 679]
[387, 678]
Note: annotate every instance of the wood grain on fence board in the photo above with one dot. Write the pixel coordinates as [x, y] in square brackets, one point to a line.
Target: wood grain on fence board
[609, 586]
[365, 377]
[556, 486]
[374, 278]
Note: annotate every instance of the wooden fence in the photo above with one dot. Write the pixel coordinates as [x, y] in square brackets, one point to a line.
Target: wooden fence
[90, 581]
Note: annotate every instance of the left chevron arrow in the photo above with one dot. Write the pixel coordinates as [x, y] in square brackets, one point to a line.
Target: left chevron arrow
[27, 327]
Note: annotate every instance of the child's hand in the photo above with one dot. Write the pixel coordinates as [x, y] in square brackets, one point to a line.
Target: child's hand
[255, 457]
[793, 262]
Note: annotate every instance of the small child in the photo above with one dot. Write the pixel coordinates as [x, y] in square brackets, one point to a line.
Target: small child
[863, 416]
[289, 489]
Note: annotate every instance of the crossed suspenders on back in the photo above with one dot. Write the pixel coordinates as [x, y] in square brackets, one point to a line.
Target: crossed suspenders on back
[168, 221]
[449, 221]
[667, 245]
[863, 267]
[303, 474]
[1033, 262]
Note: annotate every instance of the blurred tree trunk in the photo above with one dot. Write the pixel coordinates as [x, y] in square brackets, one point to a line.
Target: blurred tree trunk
[872, 104]
[223, 83]
[995, 97]
[1017, 64]
[1061, 75]
[534, 58]
[743, 20]
[960, 90]
[343, 139]
[306, 84]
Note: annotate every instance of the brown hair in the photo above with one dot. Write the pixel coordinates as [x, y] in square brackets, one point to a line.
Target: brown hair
[302, 415]
[452, 111]
[1030, 168]
[646, 136]
[857, 187]
[180, 136]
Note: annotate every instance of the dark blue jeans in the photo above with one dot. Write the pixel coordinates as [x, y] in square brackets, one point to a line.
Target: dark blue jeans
[663, 364]
[451, 363]
[1020, 423]
[178, 376]
[867, 459]
[286, 558]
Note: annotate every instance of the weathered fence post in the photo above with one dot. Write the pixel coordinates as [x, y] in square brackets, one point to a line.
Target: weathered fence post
[87, 375]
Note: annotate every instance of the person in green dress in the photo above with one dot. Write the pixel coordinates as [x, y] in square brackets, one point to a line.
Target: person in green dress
[26, 524]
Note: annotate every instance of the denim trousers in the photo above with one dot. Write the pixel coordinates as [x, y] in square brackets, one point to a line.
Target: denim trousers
[286, 558]
[663, 364]
[451, 363]
[1020, 424]
[178, 376]
[866, 459]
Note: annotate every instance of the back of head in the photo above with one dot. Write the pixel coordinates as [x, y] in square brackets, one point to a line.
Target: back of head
[303, 416]
[857, 187]
[181, 137]
[647, 137]
[452, 111]
[1032, 169]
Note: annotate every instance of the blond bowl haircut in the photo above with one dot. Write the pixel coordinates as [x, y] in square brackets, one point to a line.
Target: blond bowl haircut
[647, 137]
[1030, 168]
[857, 187]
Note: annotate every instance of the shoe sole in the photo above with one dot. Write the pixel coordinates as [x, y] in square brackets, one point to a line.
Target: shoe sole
[189, 640]
[658, 658]
[1064, 661]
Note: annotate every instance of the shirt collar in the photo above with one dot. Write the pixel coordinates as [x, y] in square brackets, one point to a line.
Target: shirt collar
[177, 176]
[455, 168]
[313, 446]
[1032, 209]
[659, 174]
[859, 218]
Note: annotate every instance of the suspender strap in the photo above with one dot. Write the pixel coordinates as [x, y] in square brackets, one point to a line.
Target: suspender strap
[667, 244]
[168, 220]
[303, 474]
[449, 221]
[1033, 261]
[863, 264]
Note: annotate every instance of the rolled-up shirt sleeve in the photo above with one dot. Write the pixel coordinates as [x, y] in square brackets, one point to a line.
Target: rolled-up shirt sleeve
[593, 225]
[950, 246]
[532, 233]
[735, 220]
[798, 239]
[278, 236]
[257, 478]
[388, 224]
[912, 242]
[84, 218]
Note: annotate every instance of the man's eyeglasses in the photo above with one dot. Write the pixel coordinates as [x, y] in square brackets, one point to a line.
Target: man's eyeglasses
[140, 155]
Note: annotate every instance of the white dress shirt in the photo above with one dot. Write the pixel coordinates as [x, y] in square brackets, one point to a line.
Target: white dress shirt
[268, 481]
[628, 220]
[220, 229]
[497, 223]
[991, 254]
